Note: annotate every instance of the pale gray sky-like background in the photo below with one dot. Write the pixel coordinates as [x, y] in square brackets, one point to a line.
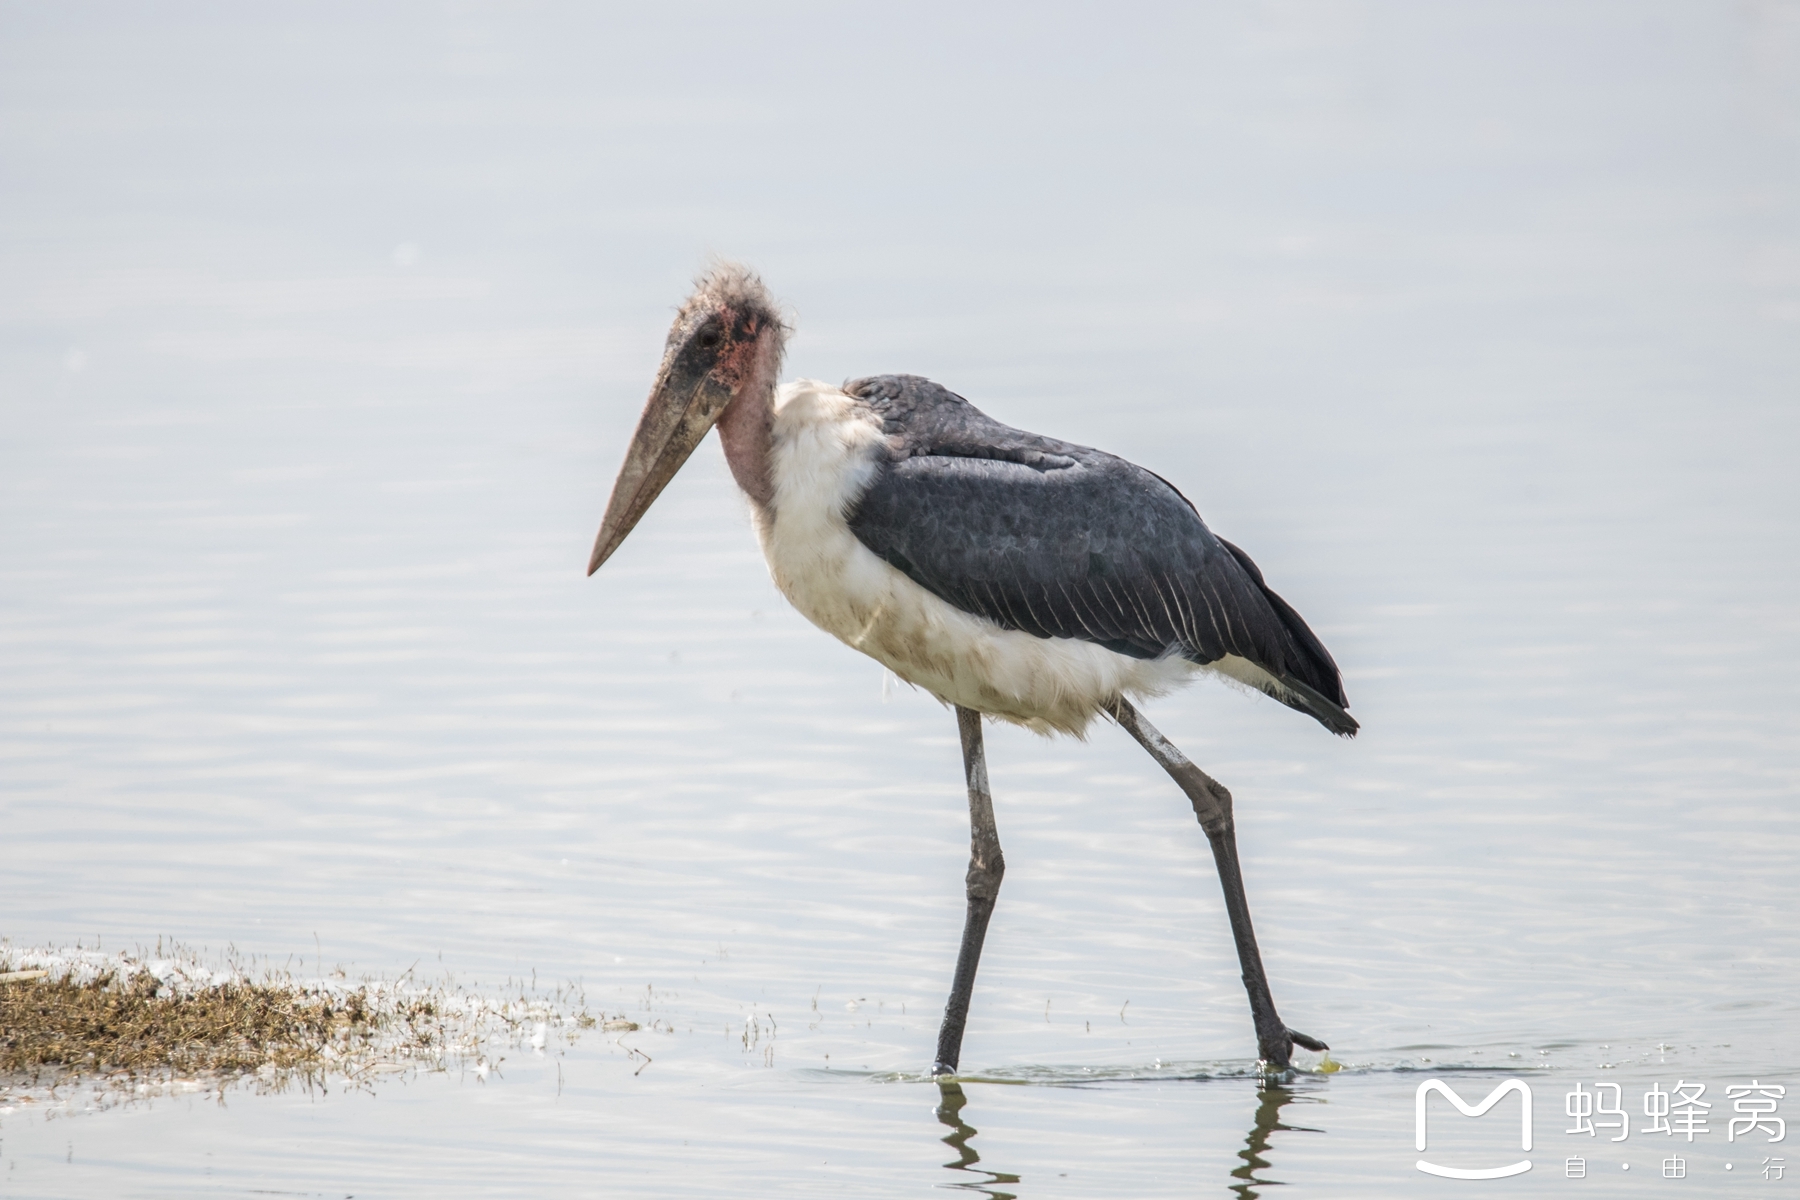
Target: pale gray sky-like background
[1478, 326]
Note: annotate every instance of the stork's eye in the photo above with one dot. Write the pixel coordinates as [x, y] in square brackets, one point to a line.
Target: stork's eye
[709, 339]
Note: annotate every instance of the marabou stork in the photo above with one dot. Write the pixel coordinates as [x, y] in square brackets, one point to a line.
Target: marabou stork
[1012, 576]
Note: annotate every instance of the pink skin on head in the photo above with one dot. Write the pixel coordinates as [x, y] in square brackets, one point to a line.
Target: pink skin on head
[749, 368]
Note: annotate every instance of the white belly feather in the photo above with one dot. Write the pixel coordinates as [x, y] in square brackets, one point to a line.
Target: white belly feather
[823, 460]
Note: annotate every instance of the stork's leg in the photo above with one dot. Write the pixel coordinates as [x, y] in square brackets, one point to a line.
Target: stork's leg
[1275, 1042]
[986, 866]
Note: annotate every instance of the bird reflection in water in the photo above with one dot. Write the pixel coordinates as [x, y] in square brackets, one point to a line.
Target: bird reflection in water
[949, 1112]
[1271, 1099]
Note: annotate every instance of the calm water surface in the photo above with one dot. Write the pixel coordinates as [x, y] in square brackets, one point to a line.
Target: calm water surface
[321, 335]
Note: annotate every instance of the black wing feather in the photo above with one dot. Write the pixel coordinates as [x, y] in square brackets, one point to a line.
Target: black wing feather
[1060, 540]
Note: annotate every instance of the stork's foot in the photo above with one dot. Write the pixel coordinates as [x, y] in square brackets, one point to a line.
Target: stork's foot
[1277, 1053]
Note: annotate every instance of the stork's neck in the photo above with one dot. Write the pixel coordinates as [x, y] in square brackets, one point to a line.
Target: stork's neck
[746, 425]
[744, 430]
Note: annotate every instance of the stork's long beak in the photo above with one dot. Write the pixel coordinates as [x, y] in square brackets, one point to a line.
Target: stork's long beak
[683, 405]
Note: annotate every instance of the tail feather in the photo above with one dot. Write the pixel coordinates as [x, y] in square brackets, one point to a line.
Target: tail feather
[1327, 713]
[1321, 695]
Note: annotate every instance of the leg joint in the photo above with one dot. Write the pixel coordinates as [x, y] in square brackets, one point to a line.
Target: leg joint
[1211, 801]
[985, 874]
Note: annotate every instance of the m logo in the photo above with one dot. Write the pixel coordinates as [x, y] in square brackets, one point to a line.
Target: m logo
[1467, 1110]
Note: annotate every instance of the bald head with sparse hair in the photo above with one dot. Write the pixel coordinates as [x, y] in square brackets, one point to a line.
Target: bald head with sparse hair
[719, 368]
[732, 320]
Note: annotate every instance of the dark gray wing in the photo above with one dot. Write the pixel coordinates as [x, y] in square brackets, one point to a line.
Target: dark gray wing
[1060, 540]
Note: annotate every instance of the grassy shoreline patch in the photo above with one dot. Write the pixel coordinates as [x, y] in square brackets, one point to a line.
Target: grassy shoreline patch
[120, 1022]
[80, 1017]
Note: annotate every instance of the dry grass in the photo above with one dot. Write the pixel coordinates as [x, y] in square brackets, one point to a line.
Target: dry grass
[135, 1023]
[87, 1018]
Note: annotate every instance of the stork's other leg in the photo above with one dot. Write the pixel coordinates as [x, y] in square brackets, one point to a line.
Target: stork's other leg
[986, 866]
[1275, 1042]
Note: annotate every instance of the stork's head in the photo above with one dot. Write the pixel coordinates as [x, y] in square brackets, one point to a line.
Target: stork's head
[726, 343]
